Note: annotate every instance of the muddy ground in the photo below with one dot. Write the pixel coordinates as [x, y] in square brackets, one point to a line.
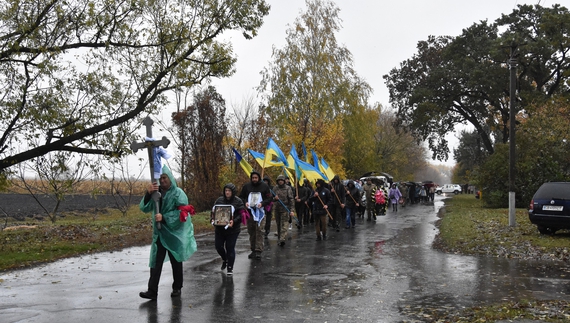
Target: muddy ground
[22, 206]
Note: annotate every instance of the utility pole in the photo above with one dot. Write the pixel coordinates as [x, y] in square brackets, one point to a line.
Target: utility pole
[512, 114]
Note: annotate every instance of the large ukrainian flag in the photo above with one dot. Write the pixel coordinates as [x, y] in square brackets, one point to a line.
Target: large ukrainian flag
[274, 155]
[243, 163]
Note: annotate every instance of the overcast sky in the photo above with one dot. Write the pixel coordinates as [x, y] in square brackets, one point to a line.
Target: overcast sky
[380, 34]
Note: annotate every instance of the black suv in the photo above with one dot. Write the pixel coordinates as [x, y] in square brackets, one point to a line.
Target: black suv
[550, 207]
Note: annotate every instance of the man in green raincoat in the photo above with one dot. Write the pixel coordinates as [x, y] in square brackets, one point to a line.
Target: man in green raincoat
[174, 236]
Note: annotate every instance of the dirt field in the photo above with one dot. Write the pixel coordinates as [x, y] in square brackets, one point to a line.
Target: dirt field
[22, 206]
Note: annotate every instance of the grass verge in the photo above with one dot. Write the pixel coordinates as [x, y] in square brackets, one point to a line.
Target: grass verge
[466, 227]
[28, 243]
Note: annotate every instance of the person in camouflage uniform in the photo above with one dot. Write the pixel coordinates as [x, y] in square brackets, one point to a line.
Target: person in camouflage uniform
[283, 206]
[369, 190]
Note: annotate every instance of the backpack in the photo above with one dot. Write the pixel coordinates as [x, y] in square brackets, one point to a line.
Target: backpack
[379, 197]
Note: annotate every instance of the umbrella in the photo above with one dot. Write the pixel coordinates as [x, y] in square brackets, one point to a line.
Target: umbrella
[388, 176]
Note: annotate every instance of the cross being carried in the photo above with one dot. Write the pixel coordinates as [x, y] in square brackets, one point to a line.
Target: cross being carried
[154, 155]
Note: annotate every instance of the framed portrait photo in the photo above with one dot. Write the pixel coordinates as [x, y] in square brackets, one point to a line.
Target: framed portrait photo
[222, 214]
[254, 198]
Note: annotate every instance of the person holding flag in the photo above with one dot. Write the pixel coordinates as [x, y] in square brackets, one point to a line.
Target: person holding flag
[283, 206]
[338, 193]
[351, 204]
[303, 193]
[321, 201]
[256, 194]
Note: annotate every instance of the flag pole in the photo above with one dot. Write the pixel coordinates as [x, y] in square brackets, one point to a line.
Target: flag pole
[262, 168]
[323, 203]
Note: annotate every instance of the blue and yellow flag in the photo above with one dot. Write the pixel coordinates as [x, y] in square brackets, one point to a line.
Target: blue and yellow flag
[260, 159]
[292, 156]
[317, 165]
[325, 168]
[290, 176]
[309, 171]
[243, 163]
[274, 155]
[305, 151]
[315, 159]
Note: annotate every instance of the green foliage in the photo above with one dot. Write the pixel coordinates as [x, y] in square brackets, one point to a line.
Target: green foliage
[359, 141]
[465, 79]
[542, 155]
[78, 75]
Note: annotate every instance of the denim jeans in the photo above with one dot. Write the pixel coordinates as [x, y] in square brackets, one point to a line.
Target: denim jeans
[350, 216]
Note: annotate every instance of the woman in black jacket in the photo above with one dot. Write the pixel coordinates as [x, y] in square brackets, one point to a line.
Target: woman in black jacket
[226, 234]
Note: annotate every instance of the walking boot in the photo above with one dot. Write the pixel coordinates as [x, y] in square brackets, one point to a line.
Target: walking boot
[148, 295]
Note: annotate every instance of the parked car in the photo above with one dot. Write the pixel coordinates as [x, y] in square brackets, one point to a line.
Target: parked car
[448, 188]
[549, 208]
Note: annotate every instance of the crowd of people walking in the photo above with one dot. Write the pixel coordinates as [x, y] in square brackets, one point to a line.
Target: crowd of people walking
[326, 206]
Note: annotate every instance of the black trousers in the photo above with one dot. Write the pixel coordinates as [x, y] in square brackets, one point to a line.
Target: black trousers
[157, 270]
[268, 217]
[226, 247]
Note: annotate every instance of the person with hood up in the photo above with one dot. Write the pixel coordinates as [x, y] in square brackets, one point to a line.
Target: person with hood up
[175, 235]
[321, 201]
[394, 194]
[256, 195]
[353, 196]
[284, 204]
[268, 210]
[226, 236]
[301, 197]
[338, 201]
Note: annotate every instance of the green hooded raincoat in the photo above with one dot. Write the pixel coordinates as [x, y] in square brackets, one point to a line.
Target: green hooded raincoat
[176, 236]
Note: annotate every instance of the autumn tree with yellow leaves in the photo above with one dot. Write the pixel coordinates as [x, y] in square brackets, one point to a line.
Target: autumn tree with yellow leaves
[310, 87]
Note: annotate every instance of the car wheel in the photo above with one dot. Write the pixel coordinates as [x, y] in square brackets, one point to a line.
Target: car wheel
[438, 192]
[545, 230]
[455, 192]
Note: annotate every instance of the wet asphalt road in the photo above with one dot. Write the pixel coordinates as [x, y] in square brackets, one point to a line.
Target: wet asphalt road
[378, 272]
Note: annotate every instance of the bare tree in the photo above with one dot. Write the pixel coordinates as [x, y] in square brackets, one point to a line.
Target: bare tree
[123, 185]
[58, 175]
[203, 126]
